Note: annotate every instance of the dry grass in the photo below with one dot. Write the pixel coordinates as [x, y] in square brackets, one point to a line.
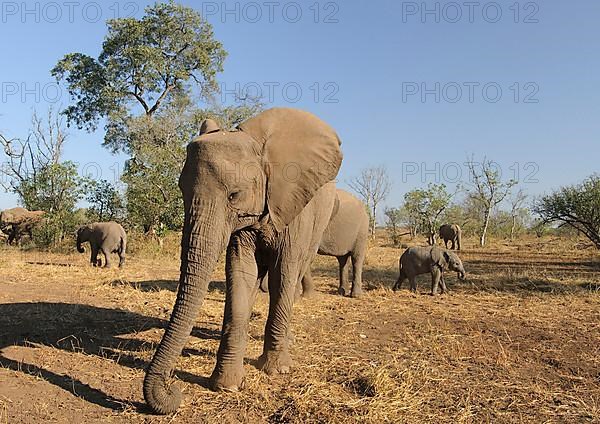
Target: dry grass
[517, 342]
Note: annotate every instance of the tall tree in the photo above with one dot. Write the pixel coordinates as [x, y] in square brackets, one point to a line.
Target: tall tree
[577, 206]
[144, 64]
[372, 185]
[145, 83]
[487, 190]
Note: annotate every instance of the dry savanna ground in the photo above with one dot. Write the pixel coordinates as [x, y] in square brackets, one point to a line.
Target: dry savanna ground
[517, 342]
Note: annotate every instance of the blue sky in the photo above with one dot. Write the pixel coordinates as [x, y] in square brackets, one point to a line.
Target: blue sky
[416, 92]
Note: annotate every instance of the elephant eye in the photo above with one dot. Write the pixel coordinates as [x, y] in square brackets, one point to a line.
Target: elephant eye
[233, 196]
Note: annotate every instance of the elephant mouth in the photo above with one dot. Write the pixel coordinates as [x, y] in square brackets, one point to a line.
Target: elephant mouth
[462, 275]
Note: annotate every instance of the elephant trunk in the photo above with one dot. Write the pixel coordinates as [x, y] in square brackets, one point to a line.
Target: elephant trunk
[458, 240]
[80, 248]
[203, 241]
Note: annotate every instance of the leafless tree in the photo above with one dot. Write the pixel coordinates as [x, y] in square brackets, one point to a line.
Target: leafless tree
[25, 158]
[487, 190]
[372, 185]
[516, 200]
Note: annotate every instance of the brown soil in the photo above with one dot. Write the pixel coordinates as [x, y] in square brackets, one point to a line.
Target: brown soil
[519, 341]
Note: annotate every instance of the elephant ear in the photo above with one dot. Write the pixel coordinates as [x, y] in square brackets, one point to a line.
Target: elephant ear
[209, 126]
[336, 205]
[300, 154]
[440, 257]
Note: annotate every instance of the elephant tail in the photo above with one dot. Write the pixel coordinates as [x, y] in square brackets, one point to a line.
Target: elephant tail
[122, 245]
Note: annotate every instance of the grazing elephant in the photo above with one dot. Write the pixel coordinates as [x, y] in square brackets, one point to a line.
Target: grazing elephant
[265, 192]
[105, 238]
[451, 232]
[421, 260]
[16, 222]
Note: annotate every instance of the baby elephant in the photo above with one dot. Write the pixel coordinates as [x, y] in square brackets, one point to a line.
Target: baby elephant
[105, 237]
[421, 260]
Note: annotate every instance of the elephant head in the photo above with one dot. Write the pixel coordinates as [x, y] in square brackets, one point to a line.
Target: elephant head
[449, 260]
[83, 235]
[12, 216]
[262, 173]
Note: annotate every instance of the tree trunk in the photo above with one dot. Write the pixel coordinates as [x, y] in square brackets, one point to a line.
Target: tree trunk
[486, 223]
[512, 228]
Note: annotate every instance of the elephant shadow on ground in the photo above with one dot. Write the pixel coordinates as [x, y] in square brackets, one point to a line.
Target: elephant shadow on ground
[84, 329]
[170, 285]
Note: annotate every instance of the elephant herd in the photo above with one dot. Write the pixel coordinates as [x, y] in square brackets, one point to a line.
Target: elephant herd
[265, 194]
[239, 196]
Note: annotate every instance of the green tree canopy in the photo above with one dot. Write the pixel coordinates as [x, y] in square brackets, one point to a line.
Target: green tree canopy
[144, 63]
[577, 205]
[106, 203]
[426, 206]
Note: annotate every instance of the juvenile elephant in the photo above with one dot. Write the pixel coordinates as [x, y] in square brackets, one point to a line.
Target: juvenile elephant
[16, 222]
[451, 232]
[431, 259]
[265, 192]
[346, 237]
[105, 238]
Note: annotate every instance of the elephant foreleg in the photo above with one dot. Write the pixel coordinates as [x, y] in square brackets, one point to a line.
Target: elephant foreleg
[443, 284]
[94, 256]
[436, 275]
[283, 279]
[308, 286]
[413, 283]
[242, 287]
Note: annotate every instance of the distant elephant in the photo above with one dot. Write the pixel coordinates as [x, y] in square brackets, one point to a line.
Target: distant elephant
[451, 232]
[16, 222]
[105, 238]
[265, 192]
[431, 259]
[345, 237]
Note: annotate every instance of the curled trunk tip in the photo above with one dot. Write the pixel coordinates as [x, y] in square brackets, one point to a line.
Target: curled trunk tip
[161, 397]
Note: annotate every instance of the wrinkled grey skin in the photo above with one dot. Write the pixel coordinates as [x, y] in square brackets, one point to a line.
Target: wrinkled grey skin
[238, 196]
[346, 237]
[422, 260]
[16, 222]
[451, 232]
[105, 238]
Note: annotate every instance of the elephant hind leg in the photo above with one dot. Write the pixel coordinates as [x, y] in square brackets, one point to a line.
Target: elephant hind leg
[106, 254]
[344, 287]
[399, 281]
[357, 265]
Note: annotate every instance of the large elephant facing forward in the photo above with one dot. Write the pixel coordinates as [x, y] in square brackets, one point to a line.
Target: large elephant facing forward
[265, 192]
[451, 232]
[16, 222]
[105, 238]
